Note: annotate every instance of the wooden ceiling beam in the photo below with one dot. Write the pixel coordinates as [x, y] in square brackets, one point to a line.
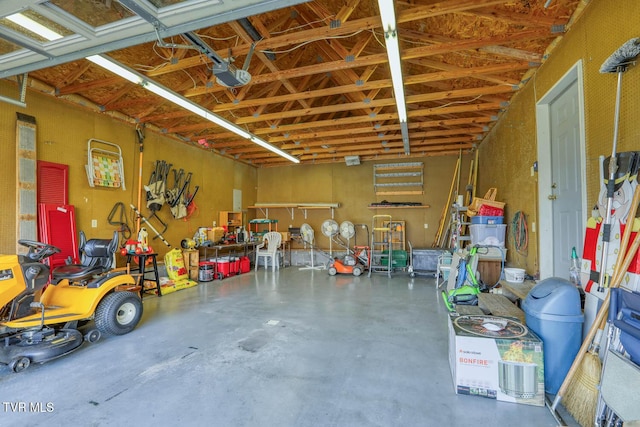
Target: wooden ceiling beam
[81, 68]
[289, 104]
[399, 155]
[266, 61]
[367, 86]
[513, 18]
[381, 58]
[327, 31]
[345, 11]
[417, 114]
[331, 150]
[462, 93]
[372, 129]
[336, 141]
[510, 52]
[92, 85]
[334, 51]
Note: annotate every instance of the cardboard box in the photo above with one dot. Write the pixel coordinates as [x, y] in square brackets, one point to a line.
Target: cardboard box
[215, 234]
[191, 262]
[496, 357]
[285, 236]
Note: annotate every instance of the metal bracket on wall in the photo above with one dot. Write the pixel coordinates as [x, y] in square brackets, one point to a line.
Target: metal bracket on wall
[22, 82]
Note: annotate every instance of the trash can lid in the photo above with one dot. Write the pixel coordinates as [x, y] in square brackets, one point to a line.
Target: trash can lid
[554, 298]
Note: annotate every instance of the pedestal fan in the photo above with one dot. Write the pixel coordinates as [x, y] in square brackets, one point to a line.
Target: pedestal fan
[330, 229]
[308, 238]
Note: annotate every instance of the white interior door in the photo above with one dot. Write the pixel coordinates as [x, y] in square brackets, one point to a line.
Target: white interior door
[566, 181]
[561, 173]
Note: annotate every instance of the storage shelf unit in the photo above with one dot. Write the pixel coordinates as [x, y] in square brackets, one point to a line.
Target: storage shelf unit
[230, 219]
[270, 224]
[398, 178]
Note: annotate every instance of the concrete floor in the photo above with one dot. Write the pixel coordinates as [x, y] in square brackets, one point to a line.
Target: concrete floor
[290, 348]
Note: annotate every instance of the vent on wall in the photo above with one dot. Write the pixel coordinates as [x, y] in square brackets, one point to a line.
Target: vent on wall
[352, 160]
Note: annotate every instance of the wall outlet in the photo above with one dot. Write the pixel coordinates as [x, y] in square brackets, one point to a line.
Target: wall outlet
[426, 226]
[533, 227]
[94, 223]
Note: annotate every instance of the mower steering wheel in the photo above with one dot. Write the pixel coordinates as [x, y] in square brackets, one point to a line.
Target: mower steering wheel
[38, 250]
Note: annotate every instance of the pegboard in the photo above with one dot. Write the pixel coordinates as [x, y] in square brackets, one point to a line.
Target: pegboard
[606, 28]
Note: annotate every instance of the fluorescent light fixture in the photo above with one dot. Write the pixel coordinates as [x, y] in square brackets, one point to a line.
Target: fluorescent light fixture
[137, 78]
[388, 18]
[185, 103]
[276, 150]
[34, 27]
[116, 68]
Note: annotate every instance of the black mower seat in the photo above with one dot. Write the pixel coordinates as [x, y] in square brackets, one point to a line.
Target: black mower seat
[76, 272]
[97, 258]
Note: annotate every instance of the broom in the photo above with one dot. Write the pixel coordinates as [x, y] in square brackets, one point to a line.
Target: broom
[582, 394]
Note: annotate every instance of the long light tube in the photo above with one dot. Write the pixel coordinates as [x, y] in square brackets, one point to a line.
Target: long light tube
[34, 27]
[137, 78]
[389, 26]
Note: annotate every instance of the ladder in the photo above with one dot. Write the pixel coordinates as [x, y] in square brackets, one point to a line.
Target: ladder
[381, 247]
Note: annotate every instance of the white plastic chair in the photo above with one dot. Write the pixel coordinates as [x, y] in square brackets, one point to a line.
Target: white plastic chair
[269, 249]
[443, 269]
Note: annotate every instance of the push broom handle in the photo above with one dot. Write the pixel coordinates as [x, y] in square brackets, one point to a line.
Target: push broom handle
[604, 309]
[628, 228]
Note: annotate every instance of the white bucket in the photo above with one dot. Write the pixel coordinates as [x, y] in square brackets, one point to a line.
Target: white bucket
[514, 275]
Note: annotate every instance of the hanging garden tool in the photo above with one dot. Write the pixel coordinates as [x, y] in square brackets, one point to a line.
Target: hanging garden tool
[117, 217]
[146, 221]
[157, 186]
[177, 197]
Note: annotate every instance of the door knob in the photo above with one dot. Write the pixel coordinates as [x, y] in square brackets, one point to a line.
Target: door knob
[552, 197]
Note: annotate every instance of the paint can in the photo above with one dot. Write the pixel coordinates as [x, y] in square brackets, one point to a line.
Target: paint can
[206, 271]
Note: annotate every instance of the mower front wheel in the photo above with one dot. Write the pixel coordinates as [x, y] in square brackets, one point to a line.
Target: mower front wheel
[19, 364]
[118, 313]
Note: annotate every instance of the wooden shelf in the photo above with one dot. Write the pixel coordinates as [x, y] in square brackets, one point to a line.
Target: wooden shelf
[230, 219]
[399, 193]
[400, 207]
[264, 208]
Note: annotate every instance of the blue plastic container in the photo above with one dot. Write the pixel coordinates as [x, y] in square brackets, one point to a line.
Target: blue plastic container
[552, 310]
[481, 219]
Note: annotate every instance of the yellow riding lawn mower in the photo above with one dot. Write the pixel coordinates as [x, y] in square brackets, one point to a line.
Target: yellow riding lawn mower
[40, 311]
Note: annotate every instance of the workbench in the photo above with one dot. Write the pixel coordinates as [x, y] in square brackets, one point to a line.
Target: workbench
[229, 247]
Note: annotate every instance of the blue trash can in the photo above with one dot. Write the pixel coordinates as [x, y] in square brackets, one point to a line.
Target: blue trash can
[552, 310]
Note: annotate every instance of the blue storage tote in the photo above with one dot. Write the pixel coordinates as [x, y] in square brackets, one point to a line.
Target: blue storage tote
[481, 219]
[552, 310]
